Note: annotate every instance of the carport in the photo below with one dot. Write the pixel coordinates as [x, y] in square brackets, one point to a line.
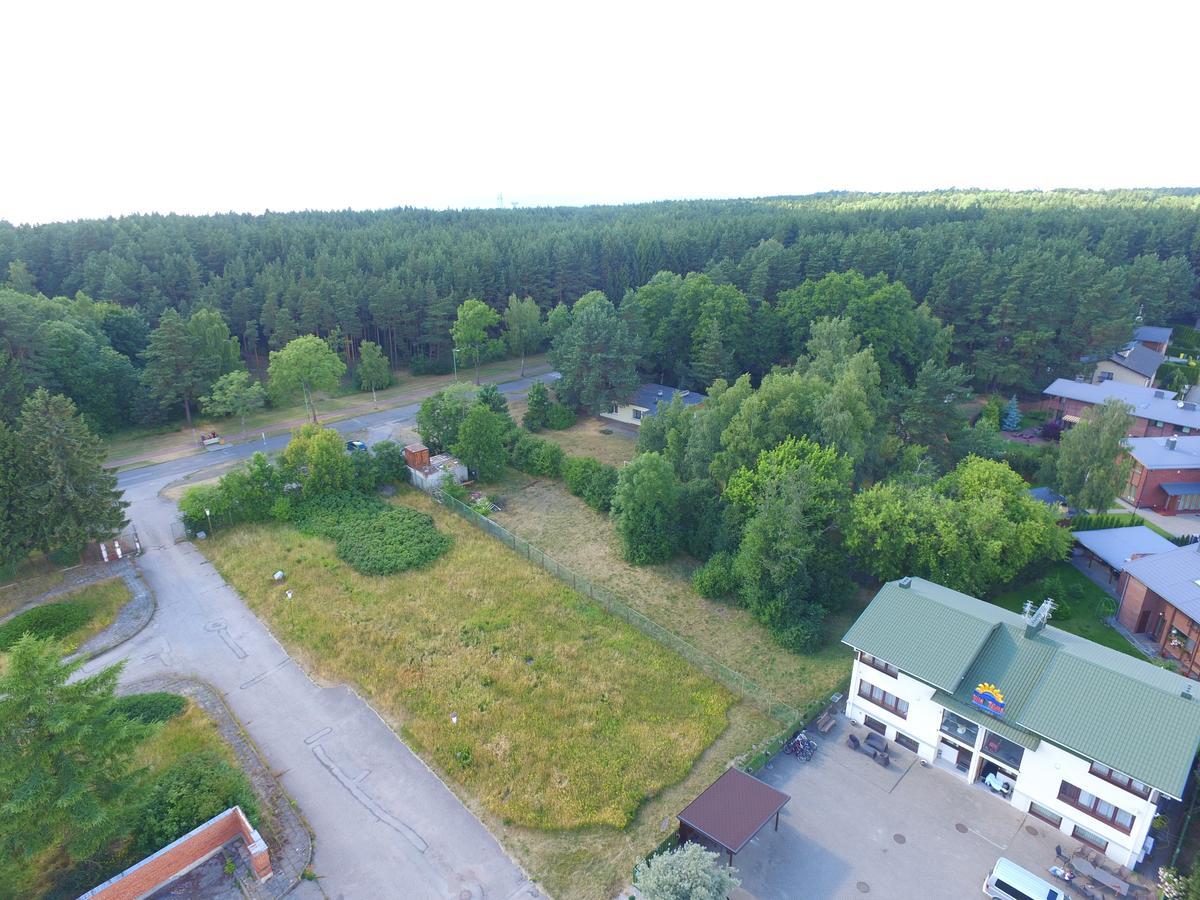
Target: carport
[731, 811]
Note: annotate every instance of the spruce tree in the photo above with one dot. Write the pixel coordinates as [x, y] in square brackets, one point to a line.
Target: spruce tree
[1011, 419]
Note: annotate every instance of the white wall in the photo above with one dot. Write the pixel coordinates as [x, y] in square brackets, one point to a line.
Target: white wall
[1041, 773]
[624, 414]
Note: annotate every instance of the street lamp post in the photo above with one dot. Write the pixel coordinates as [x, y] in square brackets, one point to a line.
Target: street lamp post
[208, 515]
[454, 356]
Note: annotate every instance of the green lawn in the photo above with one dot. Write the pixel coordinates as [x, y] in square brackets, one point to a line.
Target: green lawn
[1083, 606]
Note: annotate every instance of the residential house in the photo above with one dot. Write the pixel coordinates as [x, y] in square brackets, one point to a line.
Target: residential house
[1165, 475]
[1153, 411]
[1153, 337]
[1088, 739]
[1160, 603]
[1134, 364]
[645, 402]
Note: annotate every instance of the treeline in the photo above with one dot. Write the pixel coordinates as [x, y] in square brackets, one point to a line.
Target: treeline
[1027, 282]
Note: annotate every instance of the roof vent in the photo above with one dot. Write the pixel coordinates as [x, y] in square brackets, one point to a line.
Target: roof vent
[1079, 379]
[1036, 619]
[660, 393]
[1186, 693]
[905, 582]
[1179, 403]
[1159, 395]
[1172, 441]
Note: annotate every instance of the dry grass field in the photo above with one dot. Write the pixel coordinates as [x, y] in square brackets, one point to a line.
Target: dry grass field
[546, 515]
[584, 437]
[577, 736]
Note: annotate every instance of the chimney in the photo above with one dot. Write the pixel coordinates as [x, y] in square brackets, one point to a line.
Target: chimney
[1186, 693]
[905, 582]
[1171, 442]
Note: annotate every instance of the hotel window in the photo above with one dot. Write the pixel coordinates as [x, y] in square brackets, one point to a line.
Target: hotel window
[1089, 837]
[1123, 781]
[880, 697]
[1047, 815]
[875, 725]
[959, 728]
[906, 742]
[1095, 807]
[1008, 752]
[875, 663]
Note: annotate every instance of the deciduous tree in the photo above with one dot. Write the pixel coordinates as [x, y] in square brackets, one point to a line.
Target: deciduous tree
[441, 415]
[373, 371]
[308, 364]
[480, 444]
[537, 409]
[470, 329]
[234, 394]
[1093, 466]
[645, 507]
[523, 328]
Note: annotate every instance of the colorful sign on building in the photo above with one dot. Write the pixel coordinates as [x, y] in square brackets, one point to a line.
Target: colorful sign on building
[989, 698]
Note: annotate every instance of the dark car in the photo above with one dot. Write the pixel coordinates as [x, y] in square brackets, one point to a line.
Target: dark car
[353, 446]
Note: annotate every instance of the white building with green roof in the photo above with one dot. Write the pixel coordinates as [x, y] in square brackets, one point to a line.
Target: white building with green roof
[1083, 737]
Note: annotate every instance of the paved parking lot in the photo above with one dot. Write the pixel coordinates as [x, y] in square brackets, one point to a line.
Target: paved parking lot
[854, 828]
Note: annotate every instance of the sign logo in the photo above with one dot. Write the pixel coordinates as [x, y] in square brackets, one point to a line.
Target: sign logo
[988, 698]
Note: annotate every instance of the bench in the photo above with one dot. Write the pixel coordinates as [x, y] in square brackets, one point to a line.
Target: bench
[826, 722]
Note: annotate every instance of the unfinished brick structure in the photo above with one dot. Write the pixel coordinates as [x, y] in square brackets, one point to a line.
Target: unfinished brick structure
[185, 854]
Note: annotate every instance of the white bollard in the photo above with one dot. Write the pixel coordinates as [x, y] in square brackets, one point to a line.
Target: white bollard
[117, 547]
[103, 552]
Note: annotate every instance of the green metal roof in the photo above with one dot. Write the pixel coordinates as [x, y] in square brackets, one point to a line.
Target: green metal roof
[896, 627]
[1096, 702]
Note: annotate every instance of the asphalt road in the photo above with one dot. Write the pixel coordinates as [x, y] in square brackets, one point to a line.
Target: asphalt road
[385, 825]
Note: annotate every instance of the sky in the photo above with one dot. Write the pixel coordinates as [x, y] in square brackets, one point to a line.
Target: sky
[114, 108]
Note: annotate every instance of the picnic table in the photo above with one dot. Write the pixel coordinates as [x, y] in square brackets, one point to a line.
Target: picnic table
[1101, 876]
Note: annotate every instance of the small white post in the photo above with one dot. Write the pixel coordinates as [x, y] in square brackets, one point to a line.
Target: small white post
[103, 552]
[117, 547]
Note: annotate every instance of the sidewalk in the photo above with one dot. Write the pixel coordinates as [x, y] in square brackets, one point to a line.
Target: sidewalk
[1180, 526]
[186, 446]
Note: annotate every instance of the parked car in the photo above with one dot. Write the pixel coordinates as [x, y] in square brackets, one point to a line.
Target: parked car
[354, 446]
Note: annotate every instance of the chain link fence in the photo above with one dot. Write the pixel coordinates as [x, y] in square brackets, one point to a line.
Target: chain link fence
[733, 680]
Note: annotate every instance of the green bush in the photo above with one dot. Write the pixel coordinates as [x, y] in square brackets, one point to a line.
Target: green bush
[157, 706]
[538, 457]
[188, 794]
[715, 579]
[560, 417]
[390, 466]
[371, 536]
[53, 620]
[590, 480]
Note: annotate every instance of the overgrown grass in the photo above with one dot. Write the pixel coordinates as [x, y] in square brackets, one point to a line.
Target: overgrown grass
[1086, 605]
[585, 439]
[546, 515]
[566, 717]
[71, 618]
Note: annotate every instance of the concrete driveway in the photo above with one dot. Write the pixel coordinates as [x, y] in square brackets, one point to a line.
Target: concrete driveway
[385, 826]
[853, 829]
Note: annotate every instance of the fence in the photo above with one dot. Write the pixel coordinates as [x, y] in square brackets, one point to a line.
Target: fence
[733, 680]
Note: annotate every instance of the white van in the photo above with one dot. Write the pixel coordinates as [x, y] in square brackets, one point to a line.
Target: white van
[1008, 881]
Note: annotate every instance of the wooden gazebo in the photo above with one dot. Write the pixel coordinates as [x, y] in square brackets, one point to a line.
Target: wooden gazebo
[731, 811]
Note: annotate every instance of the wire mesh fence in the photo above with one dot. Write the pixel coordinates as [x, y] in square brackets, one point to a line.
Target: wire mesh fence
[732, 679]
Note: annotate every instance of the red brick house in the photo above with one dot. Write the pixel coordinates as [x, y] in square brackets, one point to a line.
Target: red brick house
[1152, 412]
[1160, 604]
[1165, 475]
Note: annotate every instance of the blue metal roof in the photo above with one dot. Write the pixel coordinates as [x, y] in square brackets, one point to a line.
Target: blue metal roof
[1181, 488]
[649, 396]
[1153, 334]
[1157, 453]
[1117, 546]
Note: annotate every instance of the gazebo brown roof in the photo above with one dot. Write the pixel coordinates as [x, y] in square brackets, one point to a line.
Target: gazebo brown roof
[733, 809]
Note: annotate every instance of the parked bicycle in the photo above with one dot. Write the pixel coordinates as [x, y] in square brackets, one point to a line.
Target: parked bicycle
[801, 746]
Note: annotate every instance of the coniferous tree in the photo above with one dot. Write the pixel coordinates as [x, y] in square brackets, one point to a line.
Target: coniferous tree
[596, 355]
[67, 497]
[174, 371]
[66, 758]
[537, 409]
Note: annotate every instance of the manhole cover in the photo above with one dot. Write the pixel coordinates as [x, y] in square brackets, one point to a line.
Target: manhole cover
[863, 887]
[1031, 830]
[960, 827]
[899, 838]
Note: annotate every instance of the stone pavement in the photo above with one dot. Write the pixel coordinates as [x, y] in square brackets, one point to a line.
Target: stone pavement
[131, 619]
[384, 825]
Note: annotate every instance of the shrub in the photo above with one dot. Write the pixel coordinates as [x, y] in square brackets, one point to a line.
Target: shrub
[560, 417]
[371, 536]
[390, 467]
[157, 706]
[197, 499]
[590, 480]
[189, 793]
[538, 457]
[715, 579]
[53, 620]
[538, 407]
[807, 632]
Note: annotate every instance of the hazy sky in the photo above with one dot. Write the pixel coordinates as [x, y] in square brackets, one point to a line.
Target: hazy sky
[115, 107]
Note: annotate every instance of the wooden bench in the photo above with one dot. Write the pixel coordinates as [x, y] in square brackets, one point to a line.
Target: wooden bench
[826, 722]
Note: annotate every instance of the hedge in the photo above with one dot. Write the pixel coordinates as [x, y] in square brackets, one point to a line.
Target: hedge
[591, 480]
[150, 708]
[53, 620]
[538, 457]
[189, 793]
